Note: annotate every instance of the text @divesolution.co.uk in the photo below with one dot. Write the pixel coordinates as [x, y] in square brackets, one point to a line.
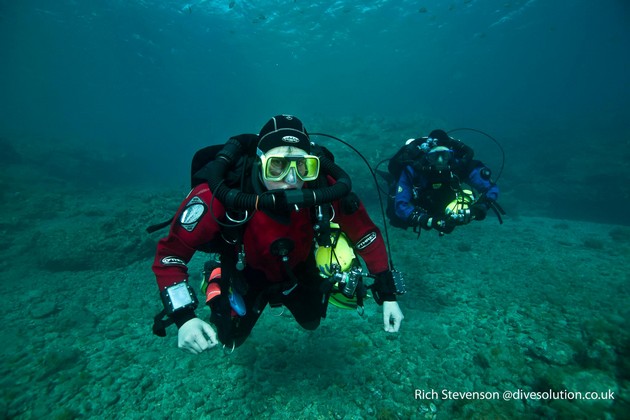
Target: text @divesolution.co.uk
[519, 394]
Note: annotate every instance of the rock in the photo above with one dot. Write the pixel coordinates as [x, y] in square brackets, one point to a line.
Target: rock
[44, 309]
[554, 352]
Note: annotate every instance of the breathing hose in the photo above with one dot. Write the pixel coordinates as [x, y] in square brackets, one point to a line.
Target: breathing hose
[275, 199]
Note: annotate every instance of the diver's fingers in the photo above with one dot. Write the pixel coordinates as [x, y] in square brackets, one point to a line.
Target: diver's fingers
[211, 334]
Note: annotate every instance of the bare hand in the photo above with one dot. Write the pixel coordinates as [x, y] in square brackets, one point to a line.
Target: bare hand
[196, 336]
[392, 316]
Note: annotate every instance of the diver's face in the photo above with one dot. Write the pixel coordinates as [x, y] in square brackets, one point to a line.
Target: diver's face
[439, 158]
[290, 180]
[441, 163]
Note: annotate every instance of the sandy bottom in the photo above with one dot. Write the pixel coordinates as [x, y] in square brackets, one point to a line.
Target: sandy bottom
[535, 307]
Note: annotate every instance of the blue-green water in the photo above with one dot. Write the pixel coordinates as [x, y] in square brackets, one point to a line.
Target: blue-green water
[152, 81]
[103, 103]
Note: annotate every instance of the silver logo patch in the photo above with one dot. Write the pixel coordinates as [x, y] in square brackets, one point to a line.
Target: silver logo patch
[290, 139]
[170, 260]
[366, 241]
[192, 213]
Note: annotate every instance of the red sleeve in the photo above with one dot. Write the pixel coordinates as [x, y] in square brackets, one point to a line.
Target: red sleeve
[193, 226]
[366, 237]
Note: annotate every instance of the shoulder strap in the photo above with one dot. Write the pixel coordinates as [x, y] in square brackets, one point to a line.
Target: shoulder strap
[201, 159]
[405, 156]
[198, 167]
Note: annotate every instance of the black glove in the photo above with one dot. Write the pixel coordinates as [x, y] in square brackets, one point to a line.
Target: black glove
[479, 210]
[444, 224]
[384, 287]
[418, 217]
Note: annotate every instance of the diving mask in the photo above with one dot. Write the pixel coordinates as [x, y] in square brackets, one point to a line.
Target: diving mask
[439, 155]
[276, 166]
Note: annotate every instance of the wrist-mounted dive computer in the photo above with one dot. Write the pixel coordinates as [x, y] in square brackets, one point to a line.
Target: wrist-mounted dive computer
[179, 296]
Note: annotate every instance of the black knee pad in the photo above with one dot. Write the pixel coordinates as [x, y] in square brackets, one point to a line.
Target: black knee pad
[310, 325]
